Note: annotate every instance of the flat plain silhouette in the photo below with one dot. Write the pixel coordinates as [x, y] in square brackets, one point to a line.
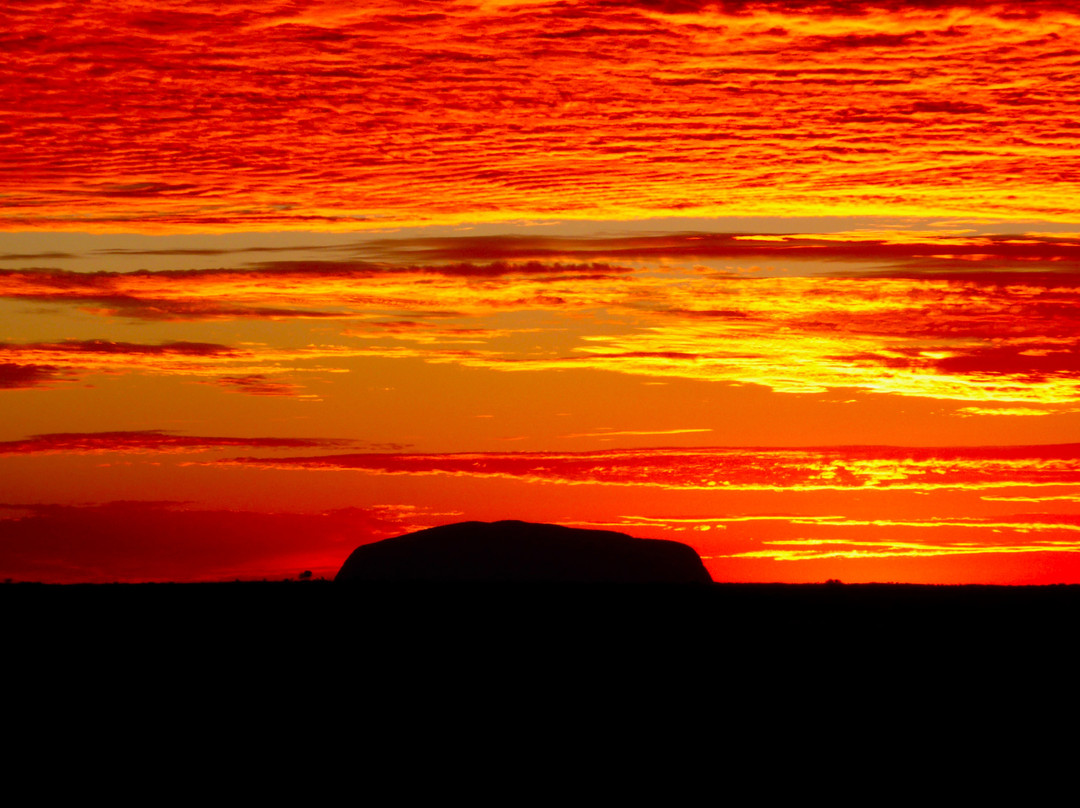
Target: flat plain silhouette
[522, 552]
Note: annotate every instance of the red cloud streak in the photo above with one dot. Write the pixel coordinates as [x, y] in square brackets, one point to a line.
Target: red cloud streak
[855, 467]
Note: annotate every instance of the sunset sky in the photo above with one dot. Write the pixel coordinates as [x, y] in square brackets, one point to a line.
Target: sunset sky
[796, 283]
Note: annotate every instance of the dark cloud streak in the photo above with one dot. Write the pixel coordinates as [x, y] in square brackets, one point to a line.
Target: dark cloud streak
[152, 440]
[15, 376]
[100, 346]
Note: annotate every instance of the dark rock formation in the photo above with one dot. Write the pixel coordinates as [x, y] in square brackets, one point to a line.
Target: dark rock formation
[523, 552]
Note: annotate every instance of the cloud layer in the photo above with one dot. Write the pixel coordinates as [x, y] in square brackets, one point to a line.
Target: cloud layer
[188, 115]
[987, 320]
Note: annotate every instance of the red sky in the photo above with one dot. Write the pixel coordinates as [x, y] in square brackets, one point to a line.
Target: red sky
[796, 283]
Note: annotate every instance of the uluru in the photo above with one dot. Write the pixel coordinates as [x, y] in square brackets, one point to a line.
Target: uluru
[522, 552]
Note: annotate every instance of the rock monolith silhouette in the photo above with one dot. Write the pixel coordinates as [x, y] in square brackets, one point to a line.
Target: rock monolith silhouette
[511, 551]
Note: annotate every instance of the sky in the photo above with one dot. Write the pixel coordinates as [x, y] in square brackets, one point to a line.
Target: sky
[795, 283]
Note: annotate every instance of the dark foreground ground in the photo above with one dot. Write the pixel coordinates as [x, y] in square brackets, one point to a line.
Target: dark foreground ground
[296, 617]
[691, 647]
[729, 680]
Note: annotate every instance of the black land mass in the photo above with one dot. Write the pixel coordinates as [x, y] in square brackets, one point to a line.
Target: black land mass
[522, 552]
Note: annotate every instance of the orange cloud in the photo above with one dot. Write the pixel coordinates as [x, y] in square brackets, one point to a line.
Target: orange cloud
[174, 116]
